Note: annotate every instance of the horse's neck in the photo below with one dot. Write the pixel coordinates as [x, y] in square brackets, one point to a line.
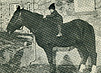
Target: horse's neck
[35, 22]
[31, 20]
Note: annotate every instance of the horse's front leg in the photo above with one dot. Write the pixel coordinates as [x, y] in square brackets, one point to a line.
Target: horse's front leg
[51, 56]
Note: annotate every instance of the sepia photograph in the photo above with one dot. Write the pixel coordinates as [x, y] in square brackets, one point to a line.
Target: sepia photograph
[50, 36]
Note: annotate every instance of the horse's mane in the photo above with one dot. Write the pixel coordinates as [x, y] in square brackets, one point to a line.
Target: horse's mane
[32, 13]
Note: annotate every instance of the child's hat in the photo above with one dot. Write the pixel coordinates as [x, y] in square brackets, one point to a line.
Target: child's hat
[52, 6]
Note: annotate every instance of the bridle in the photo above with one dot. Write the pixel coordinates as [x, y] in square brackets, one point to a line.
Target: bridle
[19, 19]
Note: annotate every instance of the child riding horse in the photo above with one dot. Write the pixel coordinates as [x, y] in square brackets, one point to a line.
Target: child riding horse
[55, 17]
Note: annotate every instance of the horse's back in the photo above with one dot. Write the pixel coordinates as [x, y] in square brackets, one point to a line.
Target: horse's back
[77, 24]
[72, 27]
[79, 29]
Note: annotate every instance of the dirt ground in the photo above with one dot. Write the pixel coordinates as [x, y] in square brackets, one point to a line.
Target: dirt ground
[34, 69]
[13, 66]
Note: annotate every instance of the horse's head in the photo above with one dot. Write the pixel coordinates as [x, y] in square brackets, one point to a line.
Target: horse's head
[15, 22]
[22, 17]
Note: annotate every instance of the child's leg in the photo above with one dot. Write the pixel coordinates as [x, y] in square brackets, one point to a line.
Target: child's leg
[59, 29]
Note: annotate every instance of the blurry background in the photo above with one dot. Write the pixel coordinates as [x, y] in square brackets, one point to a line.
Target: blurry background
[88, 10]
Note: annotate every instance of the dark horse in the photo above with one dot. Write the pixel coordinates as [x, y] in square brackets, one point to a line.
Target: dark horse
[77, 33]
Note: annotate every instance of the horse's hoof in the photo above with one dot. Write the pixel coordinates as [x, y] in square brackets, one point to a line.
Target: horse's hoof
[94, 69]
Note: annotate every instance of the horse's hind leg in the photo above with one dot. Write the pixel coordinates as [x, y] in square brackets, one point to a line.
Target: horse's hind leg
[84, 56]
[93, 56]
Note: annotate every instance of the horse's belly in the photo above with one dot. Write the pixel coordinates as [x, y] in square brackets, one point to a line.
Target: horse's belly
[65, 42]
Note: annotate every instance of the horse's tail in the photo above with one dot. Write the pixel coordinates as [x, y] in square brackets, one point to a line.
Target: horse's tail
[88, 35]
[92, 35]
[92, 46]
[92, 32]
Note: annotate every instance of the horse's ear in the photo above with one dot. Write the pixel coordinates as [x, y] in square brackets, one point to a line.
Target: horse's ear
[18, 8]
